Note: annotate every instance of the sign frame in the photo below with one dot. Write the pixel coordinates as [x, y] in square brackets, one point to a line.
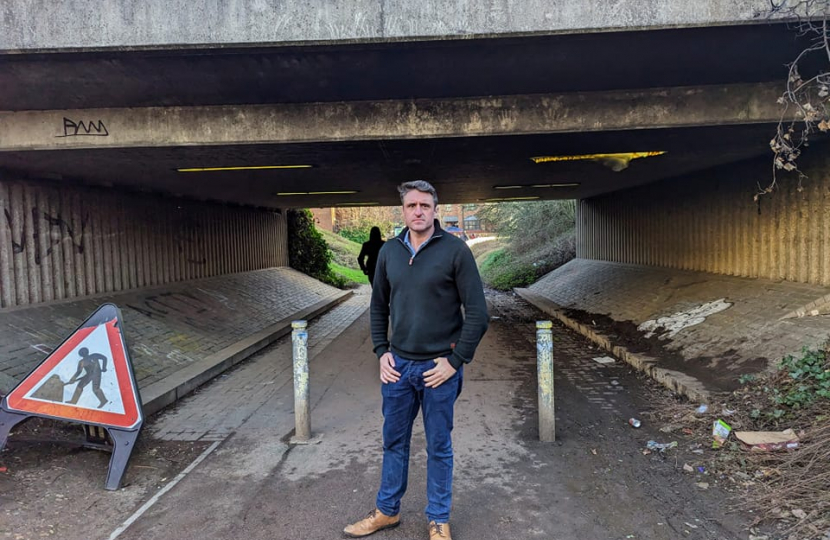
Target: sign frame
[123, 429]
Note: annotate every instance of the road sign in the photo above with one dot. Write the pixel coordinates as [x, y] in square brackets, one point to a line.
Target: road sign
[88, 379]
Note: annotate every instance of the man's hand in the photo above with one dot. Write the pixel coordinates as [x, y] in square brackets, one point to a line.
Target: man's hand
[442, 371]
[387, 369]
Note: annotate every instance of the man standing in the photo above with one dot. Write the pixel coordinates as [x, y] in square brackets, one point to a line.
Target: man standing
[423, 279]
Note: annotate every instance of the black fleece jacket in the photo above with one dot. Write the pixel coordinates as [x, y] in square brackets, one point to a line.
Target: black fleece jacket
[423, 296]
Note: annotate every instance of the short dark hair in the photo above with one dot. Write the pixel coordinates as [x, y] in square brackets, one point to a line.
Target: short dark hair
[418, 185]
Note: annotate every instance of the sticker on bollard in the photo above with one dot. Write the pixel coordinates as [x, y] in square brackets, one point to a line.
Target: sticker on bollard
[89, 379]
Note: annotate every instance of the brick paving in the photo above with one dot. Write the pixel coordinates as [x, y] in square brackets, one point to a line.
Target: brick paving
[751, 335]
[167, 328]
[219, 408]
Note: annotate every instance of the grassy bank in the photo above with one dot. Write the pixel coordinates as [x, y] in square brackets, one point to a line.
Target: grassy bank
[344, 259]
[508, 265]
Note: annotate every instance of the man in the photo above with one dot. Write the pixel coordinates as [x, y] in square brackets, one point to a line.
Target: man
[90, 368]
[424, 276]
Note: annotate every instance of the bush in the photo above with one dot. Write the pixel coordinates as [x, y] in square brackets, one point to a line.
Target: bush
[307, 250]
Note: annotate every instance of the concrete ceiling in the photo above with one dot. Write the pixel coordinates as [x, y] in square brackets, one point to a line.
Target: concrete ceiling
[429, 69]
[465, 169]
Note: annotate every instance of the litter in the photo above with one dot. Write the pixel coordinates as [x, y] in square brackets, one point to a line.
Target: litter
[688, 468]
[702, 409]
[633, 422]
[3, 469]
[701, 469]
[720, 432]
[662, 447]
[766, 441]
[702, 485]
[604, 360]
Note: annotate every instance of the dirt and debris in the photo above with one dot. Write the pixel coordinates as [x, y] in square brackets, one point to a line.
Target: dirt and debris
[628, 335]
[45, 462]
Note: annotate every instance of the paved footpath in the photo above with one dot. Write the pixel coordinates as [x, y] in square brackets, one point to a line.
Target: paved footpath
[214, 412]
[594, 482]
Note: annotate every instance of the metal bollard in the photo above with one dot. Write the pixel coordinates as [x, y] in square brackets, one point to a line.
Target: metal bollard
[544, 369]
[302, 420]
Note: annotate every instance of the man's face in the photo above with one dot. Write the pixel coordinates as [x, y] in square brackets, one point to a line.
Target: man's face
[418, 211]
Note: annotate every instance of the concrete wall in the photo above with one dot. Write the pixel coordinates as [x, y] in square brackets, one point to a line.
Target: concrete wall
[66, 242]
[709, 222]
[46, 24]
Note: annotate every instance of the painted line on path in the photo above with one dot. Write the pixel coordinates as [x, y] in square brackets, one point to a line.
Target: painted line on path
[138, 513]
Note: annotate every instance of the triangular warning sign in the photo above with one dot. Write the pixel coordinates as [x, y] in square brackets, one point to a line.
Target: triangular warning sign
[88, 378]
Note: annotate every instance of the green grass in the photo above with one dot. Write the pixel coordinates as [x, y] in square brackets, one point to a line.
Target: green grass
[345, 251]
[349, 274]
[504, 268]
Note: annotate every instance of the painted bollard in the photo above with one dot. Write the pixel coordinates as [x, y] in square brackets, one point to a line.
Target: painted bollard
[544, 369]
[299, 341]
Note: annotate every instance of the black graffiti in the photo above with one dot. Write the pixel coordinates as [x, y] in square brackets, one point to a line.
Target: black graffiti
[17, 247]
[59, 231]
[163, 303]
[84, 129]
[189, 241]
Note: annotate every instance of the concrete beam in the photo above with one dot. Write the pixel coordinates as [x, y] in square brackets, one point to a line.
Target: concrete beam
[378, 120]
[29, 25]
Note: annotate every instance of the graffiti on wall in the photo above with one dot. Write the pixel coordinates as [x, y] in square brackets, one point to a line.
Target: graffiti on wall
[189, 241]
[58, 232]
[83, 129]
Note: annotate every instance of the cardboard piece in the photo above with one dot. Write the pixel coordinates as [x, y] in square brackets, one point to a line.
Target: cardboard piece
[766, 441]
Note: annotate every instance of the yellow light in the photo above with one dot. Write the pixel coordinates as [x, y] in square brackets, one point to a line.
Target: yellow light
[507, 199]
[563, 184]
[291, 193]
[626, 156]
[358, 204]
[252, 168]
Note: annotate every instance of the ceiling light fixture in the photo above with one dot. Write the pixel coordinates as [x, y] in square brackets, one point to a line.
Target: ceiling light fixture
[562, 184]
[292, 193]
[628, 156]
[508, 199]
[358, 204]
[244, 168]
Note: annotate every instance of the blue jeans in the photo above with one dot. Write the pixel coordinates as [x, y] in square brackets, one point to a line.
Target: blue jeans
[401, 401]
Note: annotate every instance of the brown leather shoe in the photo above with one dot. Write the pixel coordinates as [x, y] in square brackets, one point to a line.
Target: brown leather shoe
[439, 531]
[373, 522]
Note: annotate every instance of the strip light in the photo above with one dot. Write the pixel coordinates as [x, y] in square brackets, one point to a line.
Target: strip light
[626, 156]
[292, 193]
[243, 168]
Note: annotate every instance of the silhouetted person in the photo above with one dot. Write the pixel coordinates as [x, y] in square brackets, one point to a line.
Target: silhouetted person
[88, 365]
[370, 251]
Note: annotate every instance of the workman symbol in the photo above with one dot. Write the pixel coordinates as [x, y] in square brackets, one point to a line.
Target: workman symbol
[90, 367]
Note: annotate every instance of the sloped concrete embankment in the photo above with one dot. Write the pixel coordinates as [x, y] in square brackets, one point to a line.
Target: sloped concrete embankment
[694, 332]
[179, 335]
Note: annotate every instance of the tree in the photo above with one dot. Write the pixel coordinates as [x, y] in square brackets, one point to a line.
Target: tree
[810, 97]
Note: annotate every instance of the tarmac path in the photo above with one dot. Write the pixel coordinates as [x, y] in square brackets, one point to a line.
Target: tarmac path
[593, 483]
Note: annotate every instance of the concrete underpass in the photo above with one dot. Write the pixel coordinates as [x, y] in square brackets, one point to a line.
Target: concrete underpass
[148, 158]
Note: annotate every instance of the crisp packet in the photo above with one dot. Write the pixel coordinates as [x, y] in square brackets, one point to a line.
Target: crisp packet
[720, 432]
